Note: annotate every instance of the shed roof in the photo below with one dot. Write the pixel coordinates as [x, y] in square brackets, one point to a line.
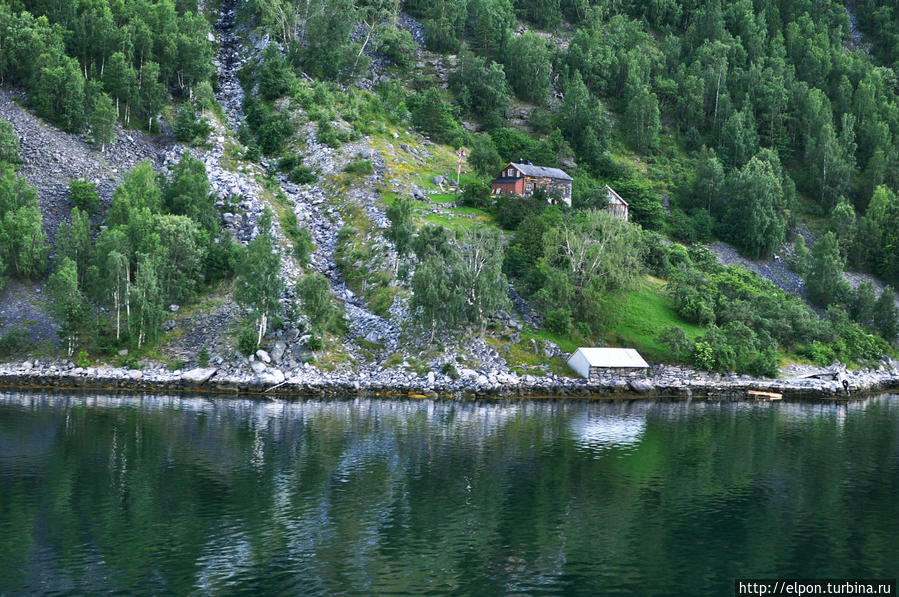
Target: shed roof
[541, 171]
[615, 198]
[611, 357]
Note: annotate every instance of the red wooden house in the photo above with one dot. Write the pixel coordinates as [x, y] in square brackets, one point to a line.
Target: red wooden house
[524, 179]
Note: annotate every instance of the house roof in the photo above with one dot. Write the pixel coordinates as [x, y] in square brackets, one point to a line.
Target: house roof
[611, 357]
[541, 171]
[615, 198]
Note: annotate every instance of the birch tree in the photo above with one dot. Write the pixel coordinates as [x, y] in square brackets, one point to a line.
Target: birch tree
[258, 286]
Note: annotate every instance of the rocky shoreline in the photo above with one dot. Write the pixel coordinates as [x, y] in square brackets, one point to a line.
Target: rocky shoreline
[663, 381]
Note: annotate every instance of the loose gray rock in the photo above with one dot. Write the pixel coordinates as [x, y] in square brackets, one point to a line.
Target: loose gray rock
[263, 356]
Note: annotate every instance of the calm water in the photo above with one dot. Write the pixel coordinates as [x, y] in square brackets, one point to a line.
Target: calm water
[170, 495]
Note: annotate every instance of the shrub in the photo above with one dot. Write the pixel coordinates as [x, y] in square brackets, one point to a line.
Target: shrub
[83, 195]
[203, 356]
[558, 320]
[449, 369]
[675, 338]
[359, 167]
[246, 341]
[288, 163]
[818, 353]
[82, 359]
[273, 132]
[476, 194]
[188, 127]
[398, 46]
[14, 342]
[302, 240]
[327, 135]
[302, 175]
[314, 343]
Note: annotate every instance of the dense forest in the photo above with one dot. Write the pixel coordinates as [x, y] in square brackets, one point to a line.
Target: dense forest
[750, 117]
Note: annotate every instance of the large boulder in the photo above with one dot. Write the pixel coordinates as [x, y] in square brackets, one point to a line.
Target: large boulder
[198, 376]
[270, 377]
[641, 387]
[278, 351]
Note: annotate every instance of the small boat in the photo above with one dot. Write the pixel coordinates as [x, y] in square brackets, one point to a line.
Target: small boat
[759, 395]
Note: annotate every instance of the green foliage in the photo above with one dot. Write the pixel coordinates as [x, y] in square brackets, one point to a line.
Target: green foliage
[528, 63]
[460, 283]
[300, 237]
[187, 193]
[843, 224]
[641, 121]
[258, 286]
[480, 88]
[432, 117]
[14, 342]
[586, 258]
[676, 340]
[83, 195]
[188, 127]
[9, 144]
[246, 341]
[402, 226]
[82, 359]
[449, 369]
[645, 207]
[73, 240]
[23, 246]
[68, 304]
[363, 167]
[483, 156]
[475, 194]
[583, 121]
[273, 132]
[800, 258]
[314, 293]
[825, 277]
[274, 74]
[757, 215]
[302, 175]
[397, 45]
[885, 316]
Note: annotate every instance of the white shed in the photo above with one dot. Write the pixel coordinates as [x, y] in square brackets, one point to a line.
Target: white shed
[591, 362]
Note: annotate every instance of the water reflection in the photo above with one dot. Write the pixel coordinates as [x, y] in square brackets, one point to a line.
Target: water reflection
[604, 426]
[169, 494]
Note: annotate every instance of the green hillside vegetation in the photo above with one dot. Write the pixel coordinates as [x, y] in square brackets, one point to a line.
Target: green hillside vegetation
[751, 117]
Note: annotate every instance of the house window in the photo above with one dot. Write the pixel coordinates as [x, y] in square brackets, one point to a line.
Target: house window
[528, 187]
[511, 173]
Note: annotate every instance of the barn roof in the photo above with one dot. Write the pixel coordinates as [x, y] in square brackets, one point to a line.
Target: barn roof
[611, 357]
[541, 171]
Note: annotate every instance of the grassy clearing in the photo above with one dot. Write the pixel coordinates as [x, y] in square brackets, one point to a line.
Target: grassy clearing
[641, 315]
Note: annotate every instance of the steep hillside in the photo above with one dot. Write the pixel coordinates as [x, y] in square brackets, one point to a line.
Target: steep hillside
[309, 202]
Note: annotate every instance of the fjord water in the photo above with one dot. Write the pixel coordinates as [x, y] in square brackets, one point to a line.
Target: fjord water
[173, 495]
